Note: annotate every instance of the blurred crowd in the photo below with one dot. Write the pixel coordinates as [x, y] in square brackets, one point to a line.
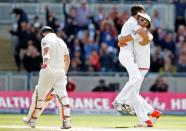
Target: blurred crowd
[91, 37]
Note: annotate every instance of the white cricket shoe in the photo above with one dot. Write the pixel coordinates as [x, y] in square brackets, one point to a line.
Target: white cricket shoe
[66, 124]
[123, 108]
[31, 124]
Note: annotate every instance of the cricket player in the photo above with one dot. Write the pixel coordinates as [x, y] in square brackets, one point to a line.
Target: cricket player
[142, 58]
[52, 76]
[129, 95]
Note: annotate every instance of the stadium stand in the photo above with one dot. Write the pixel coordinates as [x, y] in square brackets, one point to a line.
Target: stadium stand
[92, 39]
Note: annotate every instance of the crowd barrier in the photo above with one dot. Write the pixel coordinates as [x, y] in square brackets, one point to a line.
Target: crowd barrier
[88, 102]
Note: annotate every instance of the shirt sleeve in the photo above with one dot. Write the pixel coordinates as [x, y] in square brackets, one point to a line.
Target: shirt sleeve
[128, 28]
[45, 43]
[66, 50]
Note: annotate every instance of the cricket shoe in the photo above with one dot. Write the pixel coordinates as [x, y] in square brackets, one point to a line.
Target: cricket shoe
[66, 124]
[147, 123]
[123, 108]
[31, 124]
[154, 116]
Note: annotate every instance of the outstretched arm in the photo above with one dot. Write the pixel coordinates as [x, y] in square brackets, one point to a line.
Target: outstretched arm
[64, 8]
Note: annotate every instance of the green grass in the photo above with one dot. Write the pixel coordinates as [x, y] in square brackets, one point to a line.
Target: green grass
[165, 122]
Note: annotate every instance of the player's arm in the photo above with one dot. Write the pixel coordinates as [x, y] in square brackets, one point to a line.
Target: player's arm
[66, 59]
[122, 41]
[144, 35]
[45, 52]
[67, 62]
[46, 57]
[144, 42]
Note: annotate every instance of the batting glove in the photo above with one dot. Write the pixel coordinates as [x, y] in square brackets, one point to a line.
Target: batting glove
[44, 65]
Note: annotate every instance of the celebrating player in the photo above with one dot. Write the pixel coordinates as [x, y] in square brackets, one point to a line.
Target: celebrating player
[52, 76]
[130, 93]
[142, 58]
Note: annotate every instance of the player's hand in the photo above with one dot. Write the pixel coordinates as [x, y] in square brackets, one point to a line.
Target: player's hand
[142, 32]
[121, 42]
[44, 65]
[144, 42]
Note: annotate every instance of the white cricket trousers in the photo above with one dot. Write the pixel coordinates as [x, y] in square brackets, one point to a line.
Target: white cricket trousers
[130, 92]
[48, 78]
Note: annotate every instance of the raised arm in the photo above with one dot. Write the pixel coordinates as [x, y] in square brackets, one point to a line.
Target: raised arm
[64, 8]
[47, 15]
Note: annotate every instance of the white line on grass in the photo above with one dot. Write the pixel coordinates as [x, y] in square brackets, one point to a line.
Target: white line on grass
[55, 128]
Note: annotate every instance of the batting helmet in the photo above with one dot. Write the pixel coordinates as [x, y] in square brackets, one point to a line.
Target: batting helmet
[147, 17]
[44, 29]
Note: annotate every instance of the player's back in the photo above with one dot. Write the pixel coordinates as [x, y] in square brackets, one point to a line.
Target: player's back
[57, 51]
[128, 28]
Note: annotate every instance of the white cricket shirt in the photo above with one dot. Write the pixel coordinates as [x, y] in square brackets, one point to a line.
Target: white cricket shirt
[142, 53]
[57, 50]
[128, 28]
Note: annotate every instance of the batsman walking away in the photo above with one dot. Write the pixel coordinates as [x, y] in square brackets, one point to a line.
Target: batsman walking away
[52, 76]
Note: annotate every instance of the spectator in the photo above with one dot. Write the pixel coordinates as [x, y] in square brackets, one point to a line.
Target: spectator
[37, 23]
[156, 20]
[74, 66]
[105, 58]
[94, 56]
[77, 59]
[51, 20]
[120, 20]
[168, 67]
[24, 36]
[70, 23]
[108, 33]
[168, 42]
[181, 66]
[160, 85]
[101, 86]
[76, 44]
[89, 46]
[100, 14]
[71, 85]
[83, 15]
[156, 60]
[21, 16]
[88, 65]
[32, 59]
[180, 6]
[22, 20]
[181, 33]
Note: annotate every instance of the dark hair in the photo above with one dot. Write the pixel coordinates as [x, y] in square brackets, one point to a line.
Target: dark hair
[45, 29]
[135, 9]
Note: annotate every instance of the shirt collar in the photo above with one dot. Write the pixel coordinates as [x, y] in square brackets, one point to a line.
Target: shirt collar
[51, 34]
